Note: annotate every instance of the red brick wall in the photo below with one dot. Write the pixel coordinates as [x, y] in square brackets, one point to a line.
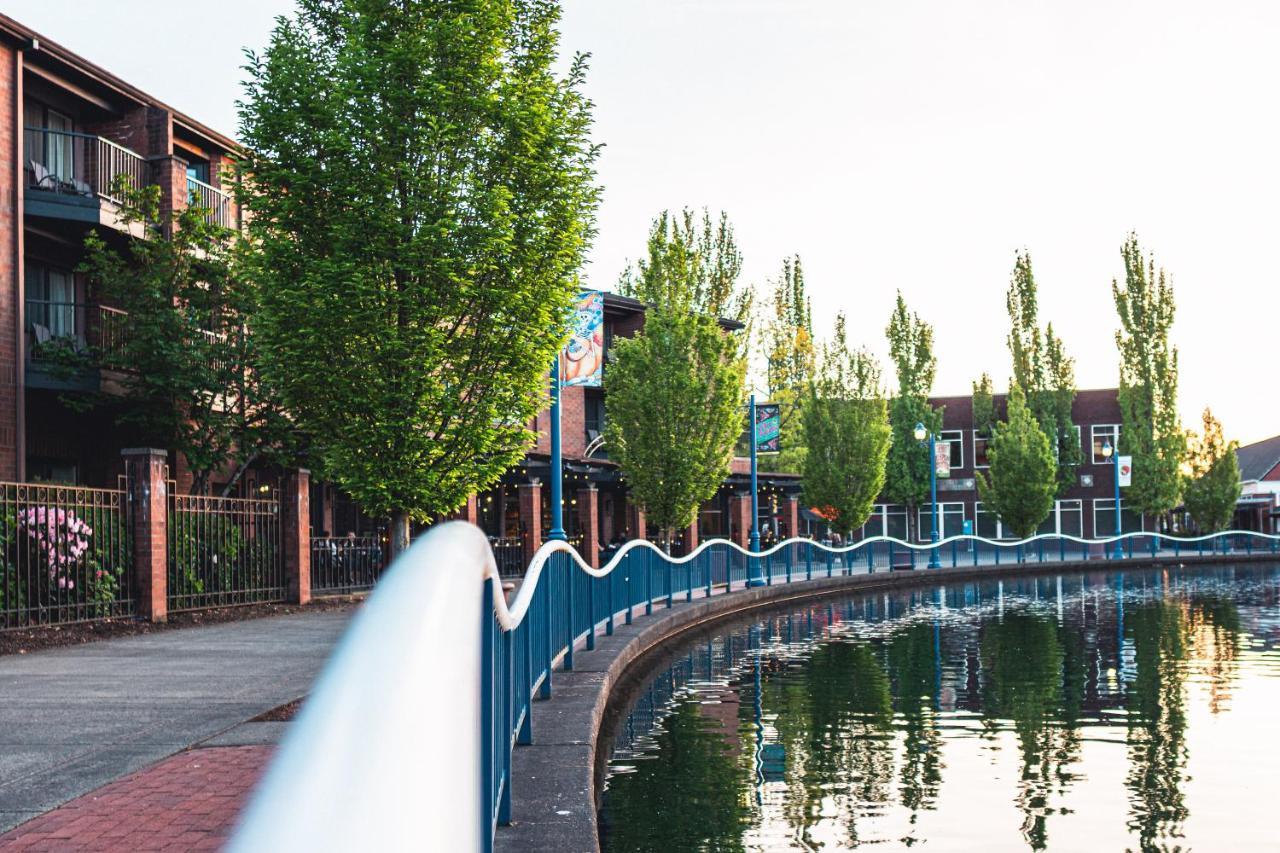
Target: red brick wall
[530, 519]
[589, 523]
[573, 429]
[11, 177]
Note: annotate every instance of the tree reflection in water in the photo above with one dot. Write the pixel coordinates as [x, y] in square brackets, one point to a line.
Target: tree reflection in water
[861, 701]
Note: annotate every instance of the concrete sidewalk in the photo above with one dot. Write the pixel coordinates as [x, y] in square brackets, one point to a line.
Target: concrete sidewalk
[73, 719]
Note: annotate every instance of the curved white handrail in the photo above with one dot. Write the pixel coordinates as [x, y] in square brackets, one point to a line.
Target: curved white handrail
[383, 755]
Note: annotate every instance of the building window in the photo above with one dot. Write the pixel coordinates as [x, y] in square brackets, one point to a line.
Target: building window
[593, 414]
[986, 524]
[955, 442]
[980, 442]
[1070, 517]
[1104, 518]
[950, 520]
[1100, 434]
[51, 143]
[895, 521]
[198, 171]
[51, 302]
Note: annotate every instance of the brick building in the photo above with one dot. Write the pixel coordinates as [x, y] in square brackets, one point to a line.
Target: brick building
[1259, 505]
[1086, 510]
[67, 129]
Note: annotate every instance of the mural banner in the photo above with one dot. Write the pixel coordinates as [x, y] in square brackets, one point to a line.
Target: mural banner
[582, 362]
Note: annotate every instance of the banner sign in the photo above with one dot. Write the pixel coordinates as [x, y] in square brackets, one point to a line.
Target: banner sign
[942, 459]
[768, 428]
[582, 362]
[1126, 471]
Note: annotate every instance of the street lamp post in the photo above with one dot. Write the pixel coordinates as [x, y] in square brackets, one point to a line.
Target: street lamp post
[557, 460]
[753, 577]
[921, 435]
[1109, 452]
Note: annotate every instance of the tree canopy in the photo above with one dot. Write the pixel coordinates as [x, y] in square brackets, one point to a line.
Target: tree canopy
[1151, 431]
[422, 198]
[1019, 486]
[1211, 482]
[676, 389]
[911, 348]
[790, 354]
[846, 431]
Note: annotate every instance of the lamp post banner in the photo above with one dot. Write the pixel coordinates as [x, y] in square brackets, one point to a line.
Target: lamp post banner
[768, 427]
[582, 362]
[942, 459]
[1126, 471]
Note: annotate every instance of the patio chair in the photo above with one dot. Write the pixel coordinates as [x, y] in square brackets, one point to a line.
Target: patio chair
[41, 178]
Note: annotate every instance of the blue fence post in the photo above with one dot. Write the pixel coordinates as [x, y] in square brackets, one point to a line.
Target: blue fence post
[569, 575]
[525, 735]
[710, 563]
[671, 579]
[955, 559]
[1040, 549]
[613, 601]
[487, 776]
[1062, 549]
[544, 691]
[787, 556]
[974, 543]
[592, 585]
[631, 593]
[508, 722]
[648, 581]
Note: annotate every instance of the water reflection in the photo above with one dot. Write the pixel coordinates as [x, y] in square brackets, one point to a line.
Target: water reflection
[1046, 713]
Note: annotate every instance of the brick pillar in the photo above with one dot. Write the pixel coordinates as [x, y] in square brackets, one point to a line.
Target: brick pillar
[295, 519]
[691, 536]
[793, 516]
[468, 512]
[589, 521]
[149, 521]
[740, 517]
[638, 527]
[530, 518]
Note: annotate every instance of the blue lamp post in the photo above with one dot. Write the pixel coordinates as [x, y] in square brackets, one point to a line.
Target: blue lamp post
[921, 435]
[557, 460]
[754, 578]
[1109, 452]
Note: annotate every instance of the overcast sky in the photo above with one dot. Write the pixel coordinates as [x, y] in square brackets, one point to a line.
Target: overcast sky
[898, 144]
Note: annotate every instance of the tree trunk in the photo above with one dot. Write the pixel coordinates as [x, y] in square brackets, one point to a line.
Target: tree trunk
[399, 533]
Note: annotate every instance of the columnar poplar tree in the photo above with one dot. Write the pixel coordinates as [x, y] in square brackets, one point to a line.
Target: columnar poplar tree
[676, 390]
[846, 431]
[790, 356]
[1020, 483]
[422, 193]
[1150, 429]
[907, 470]
[1043, 369]
[1211, 483]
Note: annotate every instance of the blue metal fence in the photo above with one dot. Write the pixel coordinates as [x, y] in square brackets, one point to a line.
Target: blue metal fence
[564, 603]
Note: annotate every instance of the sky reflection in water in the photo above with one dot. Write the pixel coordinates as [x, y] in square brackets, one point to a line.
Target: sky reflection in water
[1087, 712]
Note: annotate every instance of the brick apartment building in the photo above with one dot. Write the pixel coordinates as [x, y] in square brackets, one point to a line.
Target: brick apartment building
[1086, 510]
[67, 129]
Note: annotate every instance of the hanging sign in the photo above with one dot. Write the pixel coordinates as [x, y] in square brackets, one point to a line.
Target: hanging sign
[582, 362]
[942, 459]
[768, 428]
[1126, 471]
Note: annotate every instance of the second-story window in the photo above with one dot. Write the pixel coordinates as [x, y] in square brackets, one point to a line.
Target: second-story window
[198, 171]
[51, 146]
[955, 443]
[1102, 434]
[593, 413]
[51, 302]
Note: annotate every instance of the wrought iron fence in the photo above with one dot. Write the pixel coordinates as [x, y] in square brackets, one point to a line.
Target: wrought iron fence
[341, 565]
[508, 553]
[65, 555]
[223, 551]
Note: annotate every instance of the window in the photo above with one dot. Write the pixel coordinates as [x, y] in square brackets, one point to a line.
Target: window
[874, 525]
[1104, 518]
[986, 524]
[895, 522]
[198, 171]
[593, 414]
[1100, 434]
[980, 441]
[955, 441]
[950, 520]
[51, 142]
[51, 302]
[1070, 517]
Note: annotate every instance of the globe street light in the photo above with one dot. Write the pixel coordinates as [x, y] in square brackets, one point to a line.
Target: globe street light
[921, 434]
[1109, 452]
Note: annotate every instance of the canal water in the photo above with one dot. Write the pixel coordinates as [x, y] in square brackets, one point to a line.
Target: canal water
[1089, 712]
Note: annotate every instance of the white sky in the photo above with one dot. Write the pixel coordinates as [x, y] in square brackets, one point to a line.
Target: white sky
[909, 144]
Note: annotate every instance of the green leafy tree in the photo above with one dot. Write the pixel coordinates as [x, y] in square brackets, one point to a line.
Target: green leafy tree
[186, 355]
[1043, 369]
[907, 469]
[1212, 480]
[1020, 484]
[1150, 431]
[675, 391]
[790, 357]
[423, 195]
[984, 406]
[846, 431]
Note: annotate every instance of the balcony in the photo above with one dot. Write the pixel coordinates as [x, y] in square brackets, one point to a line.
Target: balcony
[72, 175]
[220, 205]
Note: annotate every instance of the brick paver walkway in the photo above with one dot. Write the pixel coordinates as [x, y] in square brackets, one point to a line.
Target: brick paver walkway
[188, 801]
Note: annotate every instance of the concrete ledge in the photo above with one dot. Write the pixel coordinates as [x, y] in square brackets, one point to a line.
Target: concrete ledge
[554, 794]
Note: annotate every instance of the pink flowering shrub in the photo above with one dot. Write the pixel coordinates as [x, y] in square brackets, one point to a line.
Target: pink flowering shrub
[61, 539]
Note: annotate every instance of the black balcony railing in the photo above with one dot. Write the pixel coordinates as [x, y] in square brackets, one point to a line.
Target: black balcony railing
[79, 164]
